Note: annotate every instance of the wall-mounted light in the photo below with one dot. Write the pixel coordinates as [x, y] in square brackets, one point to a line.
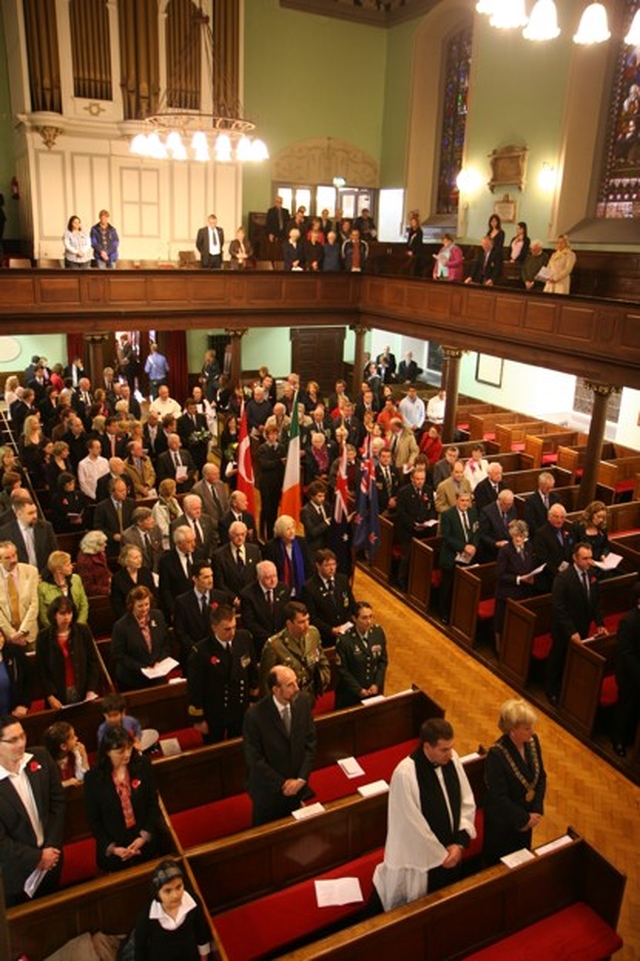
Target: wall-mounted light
[593, 25]
[547, 177]
[468, 180]
[339, 182]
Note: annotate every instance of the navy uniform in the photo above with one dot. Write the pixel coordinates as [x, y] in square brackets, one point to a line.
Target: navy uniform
[361, 661]
[220, 679]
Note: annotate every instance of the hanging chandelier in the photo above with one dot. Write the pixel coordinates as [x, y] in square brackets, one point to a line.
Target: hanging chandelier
[178, 131]
[543, 21]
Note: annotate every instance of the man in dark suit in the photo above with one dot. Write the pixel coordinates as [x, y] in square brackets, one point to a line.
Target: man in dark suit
[443, 468]
[192, 610]
[575, 605]
[200, 524]
[114, 443]
[234, 564]
[151, 436]
[33, 537]
[486, 492]
[214, 496]
[361, 657]
[114, 515]
[209, 244]
[117, 471]
[262, 604]
[238, 504]
[328, 597]
[177, 463]
[222, 675]
[189, 424]
[31, 814]
[459, 529]
[279, 740]
[487, 267]
[408, 370]
[175, 569]
[316, 518]
[277, 219]
[387, 359]
[145, 534]
[553, 545]
[270, 460]
[387, 482]
[75, 437]
[20, 409]
[494, 526]
[536, 505]
[415, 509]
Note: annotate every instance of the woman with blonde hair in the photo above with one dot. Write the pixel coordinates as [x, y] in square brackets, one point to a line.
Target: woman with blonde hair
[60, 580]
[516, 782]
[92, 566]
[560, 266]
[591, 528]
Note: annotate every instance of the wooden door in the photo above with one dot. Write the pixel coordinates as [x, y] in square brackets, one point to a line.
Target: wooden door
[316, 354]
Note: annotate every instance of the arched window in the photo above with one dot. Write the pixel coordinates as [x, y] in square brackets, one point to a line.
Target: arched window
[620, 187]
[454, 118]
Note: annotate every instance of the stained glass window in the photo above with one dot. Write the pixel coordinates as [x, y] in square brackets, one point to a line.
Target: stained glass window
[620, 188]
[454, 117]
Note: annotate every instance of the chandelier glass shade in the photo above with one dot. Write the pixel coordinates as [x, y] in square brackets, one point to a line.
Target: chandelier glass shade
[543, 22]
[593, 25]
[508, 14]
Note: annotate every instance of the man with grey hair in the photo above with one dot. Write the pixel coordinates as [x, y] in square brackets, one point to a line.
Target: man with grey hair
[535, 260]
[201, 525]
[262, 603]
[234, 564]
[214, 495]
[536, 505]
[176, 463]
[486, 492]
[494, 526]
[176, 567]
[145, 534]
[34, 538]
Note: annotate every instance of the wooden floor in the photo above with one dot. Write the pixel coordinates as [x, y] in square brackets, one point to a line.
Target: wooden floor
[582, 791]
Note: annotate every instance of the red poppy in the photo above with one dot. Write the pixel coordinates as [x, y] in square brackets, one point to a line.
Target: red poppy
[135, 783]
[215, 660]
[34, 766]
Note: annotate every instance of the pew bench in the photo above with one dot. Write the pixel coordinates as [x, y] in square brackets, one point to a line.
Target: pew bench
[473, 602]
[424, 572]
[589, 682]
[484, 912]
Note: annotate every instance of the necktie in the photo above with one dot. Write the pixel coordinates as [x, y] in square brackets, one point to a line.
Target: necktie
[545, 498]
[196, 528]
[113, 445]
[203, 604]
[560, 537]
[189, 563]
[505, 520]
[286, 719]
[147, 548]
[176, 459]
[214, 495]
[119, 513]
[387, 479]
[585, 583]
[30, 544]
[14, 602]
[239, 560]
[270, 600]
[465, 525]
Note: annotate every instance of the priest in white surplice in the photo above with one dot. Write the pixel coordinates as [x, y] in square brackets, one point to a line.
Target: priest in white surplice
[430, 819]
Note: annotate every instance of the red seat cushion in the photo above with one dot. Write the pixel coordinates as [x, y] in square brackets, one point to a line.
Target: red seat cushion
[550, 457]
[609, 691]
[79, 862]
[517, 446]
[541, 647]
[207, 822]
[188, 738]
[325, 704]
[624, 486]
[436, 577]
[266, 925]
[331, 783]
[487, 608]
[611, 621]
[490, 435]
[576, 933]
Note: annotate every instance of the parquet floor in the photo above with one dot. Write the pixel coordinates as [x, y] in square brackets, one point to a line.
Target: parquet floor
[583, 791]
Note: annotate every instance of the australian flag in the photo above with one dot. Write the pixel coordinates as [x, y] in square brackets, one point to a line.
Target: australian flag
[366, 523]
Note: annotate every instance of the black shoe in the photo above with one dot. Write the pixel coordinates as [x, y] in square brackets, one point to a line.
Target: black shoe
[620, 750]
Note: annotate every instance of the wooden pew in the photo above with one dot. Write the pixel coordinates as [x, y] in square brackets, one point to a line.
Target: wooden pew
[543, 447]
[216, 773]
[473, 602]
[381, 564]
[525, 481]
[588, 683]
[483, 426]
[511, 436]
[623, 518]
[424, 572]
[620, 474]
[486, 910]
[569, 498]
[527, 626]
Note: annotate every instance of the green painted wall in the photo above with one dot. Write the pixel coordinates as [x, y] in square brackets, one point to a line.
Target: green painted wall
[308, 76]
[397, 94]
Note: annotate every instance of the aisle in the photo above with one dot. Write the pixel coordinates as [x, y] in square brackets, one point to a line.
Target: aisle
[583, 791]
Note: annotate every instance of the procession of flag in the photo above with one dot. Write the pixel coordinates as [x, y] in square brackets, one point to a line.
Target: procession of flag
[245, 482]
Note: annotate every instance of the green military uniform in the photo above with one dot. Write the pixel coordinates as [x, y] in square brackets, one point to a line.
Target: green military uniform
[304, 655]
[361, 662]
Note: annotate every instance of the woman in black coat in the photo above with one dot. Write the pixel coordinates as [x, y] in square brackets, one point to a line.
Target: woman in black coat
[64, 635]
[122, 803]
[132, 574]
[139, 640]
[516, 782]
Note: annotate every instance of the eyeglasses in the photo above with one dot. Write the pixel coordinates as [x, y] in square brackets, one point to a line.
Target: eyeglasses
[14, 740]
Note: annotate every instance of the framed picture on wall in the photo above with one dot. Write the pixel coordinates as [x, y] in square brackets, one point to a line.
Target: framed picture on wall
[489, 370]
[506, 209]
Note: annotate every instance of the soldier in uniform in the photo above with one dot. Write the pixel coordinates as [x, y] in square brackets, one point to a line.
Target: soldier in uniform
[222, 675]
[297, 646]
[361, 658]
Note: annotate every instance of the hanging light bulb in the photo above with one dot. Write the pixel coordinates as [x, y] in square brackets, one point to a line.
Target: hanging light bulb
[508, 14]
[156, 148]
[485, 6]
[139, 145]
[222, 148]
[633, 37]
[593, 25]
[243, 149]
[543, 22]
[259, 150]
